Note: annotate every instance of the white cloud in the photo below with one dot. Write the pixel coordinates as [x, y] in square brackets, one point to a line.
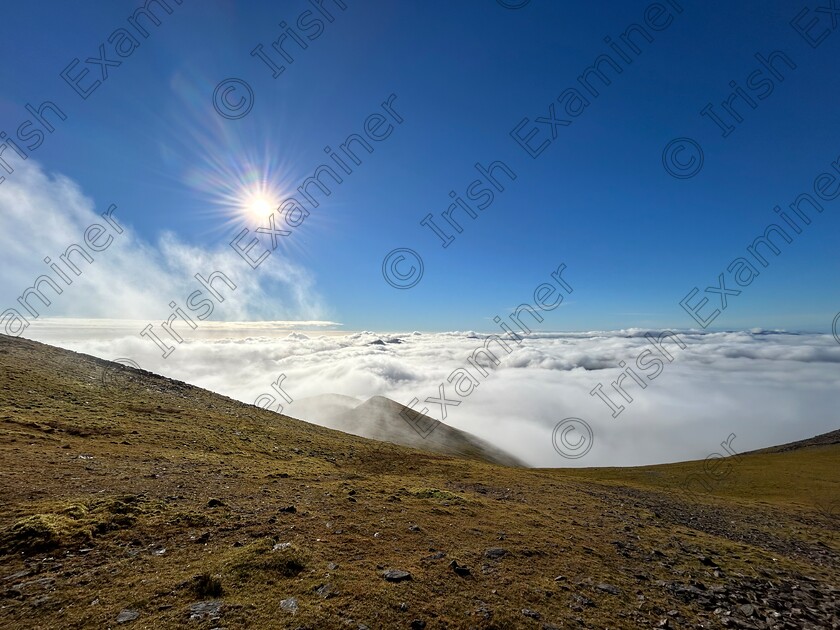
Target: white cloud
[42, 215]
[764, 388]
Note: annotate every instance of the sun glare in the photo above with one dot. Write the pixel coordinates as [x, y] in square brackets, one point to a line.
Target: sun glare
[258, 206]
[241, 189]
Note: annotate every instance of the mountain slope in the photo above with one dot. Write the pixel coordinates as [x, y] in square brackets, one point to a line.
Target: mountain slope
[129, 500]
[381, 418]
[824, 439]
[803, 474]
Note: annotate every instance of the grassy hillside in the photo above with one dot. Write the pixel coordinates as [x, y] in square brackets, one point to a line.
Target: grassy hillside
[128, 500]
[803, 479]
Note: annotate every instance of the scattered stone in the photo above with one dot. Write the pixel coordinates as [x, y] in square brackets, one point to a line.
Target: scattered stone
[281, 546]
[418, 624]
[579, 601]
[289, 509]
[332, 566]
[45, 583]
[413, 528]
[459, 570]
[326, 591]
[746, 610]
[18, 575]
[206, 610]
[533, 614]
[495, 553]
[396, 575]
[608, 588]
[127, 615]
[212, 503]
[290, 605]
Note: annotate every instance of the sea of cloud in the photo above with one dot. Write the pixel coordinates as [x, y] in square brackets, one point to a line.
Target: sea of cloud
[765, 387]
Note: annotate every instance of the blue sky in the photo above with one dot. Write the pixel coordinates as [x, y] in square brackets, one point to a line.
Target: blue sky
[635, 239]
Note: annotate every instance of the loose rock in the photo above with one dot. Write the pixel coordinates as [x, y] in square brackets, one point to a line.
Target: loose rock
[127, 615]
[608, 588]
[396, 575]
[206, 610]
[495, 553]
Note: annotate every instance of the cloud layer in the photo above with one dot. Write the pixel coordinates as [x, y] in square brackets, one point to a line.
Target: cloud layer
[766, 388]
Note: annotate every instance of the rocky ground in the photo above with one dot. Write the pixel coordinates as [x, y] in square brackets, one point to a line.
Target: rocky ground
[128, 500]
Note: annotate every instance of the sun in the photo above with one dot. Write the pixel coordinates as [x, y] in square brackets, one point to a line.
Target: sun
[258, 205]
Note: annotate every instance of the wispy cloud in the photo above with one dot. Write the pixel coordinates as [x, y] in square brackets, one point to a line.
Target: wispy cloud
[41, 215]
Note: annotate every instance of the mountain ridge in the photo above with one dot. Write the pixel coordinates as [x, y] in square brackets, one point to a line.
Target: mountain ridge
[382, 418]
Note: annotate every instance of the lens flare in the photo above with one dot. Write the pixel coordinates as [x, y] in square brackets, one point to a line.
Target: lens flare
[239, 174]
[258, 204]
